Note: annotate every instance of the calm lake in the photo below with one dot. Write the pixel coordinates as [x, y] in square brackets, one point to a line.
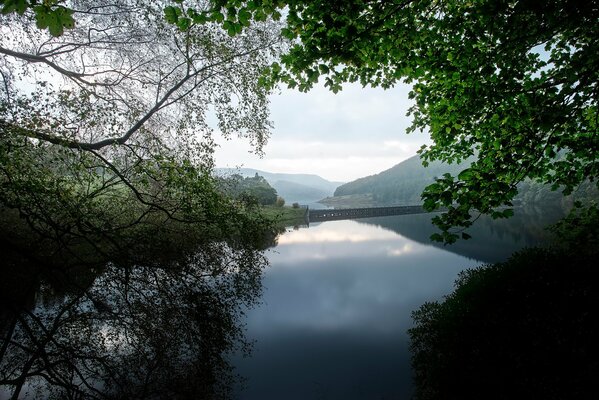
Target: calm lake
[326, 308]
[338, 298]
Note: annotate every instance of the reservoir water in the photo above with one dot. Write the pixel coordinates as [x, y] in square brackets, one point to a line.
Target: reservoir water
[325, 309]
[338, 298]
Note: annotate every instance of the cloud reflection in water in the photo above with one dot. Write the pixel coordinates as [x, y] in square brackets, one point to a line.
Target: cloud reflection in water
[337, 304]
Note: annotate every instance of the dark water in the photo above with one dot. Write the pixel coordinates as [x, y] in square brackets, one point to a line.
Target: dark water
[334, 307]
[156, 330]
[338, 301]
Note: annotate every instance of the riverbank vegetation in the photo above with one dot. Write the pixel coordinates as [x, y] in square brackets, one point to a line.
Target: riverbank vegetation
[285, 216]
[525, 326]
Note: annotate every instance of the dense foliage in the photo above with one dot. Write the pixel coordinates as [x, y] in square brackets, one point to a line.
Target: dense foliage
[253, 189]
[514, 83]
[526, 327]
[104, 120]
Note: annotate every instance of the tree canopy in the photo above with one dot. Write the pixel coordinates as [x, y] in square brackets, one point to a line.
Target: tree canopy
[514, 83]
[106, 110]
[253, 189]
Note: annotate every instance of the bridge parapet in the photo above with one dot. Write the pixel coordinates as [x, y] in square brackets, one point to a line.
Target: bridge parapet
[353, 213]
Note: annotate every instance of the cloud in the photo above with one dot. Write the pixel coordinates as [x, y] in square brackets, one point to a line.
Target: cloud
[341, 137]
[351, 113]
[351, 233]
[334, 160]
[400, 251]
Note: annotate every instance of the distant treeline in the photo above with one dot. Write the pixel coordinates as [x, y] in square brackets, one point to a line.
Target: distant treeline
[252, 189]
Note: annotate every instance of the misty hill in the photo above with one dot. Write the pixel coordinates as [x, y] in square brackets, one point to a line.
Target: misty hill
[296, 192]
[401, 184]
[404, 183]
[301, 188]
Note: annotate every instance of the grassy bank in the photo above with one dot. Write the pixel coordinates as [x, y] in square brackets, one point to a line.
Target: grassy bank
[285, 216]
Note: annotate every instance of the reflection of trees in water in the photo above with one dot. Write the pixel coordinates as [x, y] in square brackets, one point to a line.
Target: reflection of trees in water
[526, 328]
[492, 240]
[133, 332]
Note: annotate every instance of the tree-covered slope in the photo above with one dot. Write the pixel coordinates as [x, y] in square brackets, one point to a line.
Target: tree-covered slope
[401, 184]
[404, 183]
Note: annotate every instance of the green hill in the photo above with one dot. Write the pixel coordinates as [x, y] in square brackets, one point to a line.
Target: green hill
[401, 184]
[404, 183]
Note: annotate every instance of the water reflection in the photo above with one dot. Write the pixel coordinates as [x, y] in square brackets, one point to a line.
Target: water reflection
[333, 324]
[492, 240]
[338, 301]
[333, 233]
[335, 314]
[134, 332]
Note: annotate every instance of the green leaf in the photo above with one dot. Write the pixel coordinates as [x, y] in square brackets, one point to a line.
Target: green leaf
[21, 6]
[434, 188]
[244, 17]
[183, 24]
[259, 15]
[171, 15]
[323, 68]
[466, 174]
[238, 27]
[508, 213]
[313, 75]
[436, 237]
[429, 205]
[217, 16]
[65, 17]
[55, 27]
[199, 18]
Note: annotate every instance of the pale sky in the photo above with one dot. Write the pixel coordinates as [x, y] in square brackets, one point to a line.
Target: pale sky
[341, 137]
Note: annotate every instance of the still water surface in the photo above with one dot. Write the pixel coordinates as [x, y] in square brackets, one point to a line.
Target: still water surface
[338, 299]
[331, 324]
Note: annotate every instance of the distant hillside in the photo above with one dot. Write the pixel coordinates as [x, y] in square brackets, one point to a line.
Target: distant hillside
[301, 188]
[296, 192]
[404, 183]
[401, 184]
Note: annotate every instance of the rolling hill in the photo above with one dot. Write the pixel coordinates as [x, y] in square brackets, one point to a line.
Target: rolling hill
[404, 183]
[401, 184]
